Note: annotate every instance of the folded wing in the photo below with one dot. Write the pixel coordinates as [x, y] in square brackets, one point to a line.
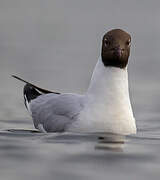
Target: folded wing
[56, 112]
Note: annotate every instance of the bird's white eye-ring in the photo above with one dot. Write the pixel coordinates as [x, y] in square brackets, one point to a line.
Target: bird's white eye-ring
[106, 42]
[128, 42]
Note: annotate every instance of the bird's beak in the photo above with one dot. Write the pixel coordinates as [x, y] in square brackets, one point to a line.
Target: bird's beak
[117, 51]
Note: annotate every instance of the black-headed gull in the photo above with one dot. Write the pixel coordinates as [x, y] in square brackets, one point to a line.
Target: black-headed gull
[105, 107]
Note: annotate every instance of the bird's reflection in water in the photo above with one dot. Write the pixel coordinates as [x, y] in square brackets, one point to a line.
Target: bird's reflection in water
[106, 141]
[112, 142]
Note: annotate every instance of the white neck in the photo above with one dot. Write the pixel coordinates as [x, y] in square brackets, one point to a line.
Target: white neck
[108, 83]
[107, 105]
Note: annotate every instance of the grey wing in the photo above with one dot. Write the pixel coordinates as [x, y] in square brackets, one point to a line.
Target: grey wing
[55, 112]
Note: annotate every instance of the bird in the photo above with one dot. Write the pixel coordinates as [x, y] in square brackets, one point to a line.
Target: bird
[104, 107]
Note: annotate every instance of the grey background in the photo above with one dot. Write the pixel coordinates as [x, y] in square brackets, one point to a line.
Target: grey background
[55, 44]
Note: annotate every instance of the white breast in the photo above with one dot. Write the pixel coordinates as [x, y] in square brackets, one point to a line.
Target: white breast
[107, 105]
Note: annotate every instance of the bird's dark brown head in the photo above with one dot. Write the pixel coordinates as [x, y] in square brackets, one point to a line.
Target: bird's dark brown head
[116, 48]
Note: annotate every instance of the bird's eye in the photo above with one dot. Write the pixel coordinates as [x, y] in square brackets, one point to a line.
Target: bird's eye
[128, 42]
[106, 42]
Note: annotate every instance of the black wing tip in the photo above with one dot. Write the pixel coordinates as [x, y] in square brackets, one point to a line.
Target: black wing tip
[14, 76]
[43, 91]
[30, 92]
[20, 79]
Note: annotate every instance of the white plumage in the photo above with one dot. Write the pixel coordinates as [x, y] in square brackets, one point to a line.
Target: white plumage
[107, 106]
[104, 108]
